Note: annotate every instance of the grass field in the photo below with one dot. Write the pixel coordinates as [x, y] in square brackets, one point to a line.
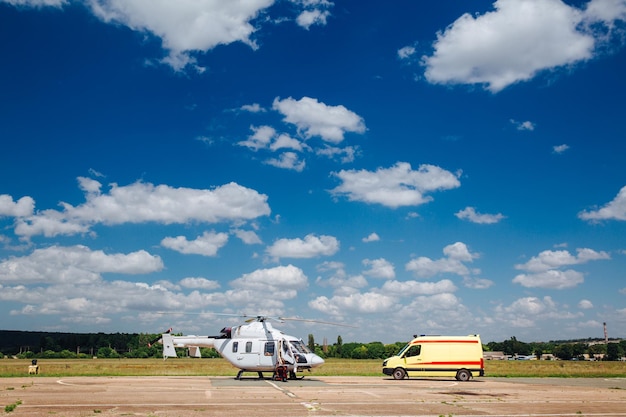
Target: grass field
[339, 367]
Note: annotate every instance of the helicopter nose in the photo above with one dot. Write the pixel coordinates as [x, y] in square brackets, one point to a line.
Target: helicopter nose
[316, 360]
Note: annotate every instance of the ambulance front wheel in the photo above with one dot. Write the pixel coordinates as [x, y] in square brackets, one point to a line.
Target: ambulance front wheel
[399, 373]
[463, 375]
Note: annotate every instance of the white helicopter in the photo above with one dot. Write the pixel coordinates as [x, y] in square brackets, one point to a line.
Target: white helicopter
[252, 347]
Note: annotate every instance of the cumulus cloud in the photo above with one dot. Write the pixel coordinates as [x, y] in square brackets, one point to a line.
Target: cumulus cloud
[412, 288]
[543, 270]
[527, 311]
[199, 282]
[517, 40]
[365, 303]
[470, 214]
[396, 186]
[585, 304]
[287, 160]
[21, 208]
[144, 202]
[207, 245]
[74, 265]
[379, 268]
[372, 237]
[456, 255]
[550, 259]
[283, 280]
[613, 210]
[185, 27]
[310, 247]
[313, 118]
[554, 279]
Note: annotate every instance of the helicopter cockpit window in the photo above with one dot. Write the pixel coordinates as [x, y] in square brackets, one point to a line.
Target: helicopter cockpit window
[248, 347]
[269, 348]
[235, 346]
[299, 346]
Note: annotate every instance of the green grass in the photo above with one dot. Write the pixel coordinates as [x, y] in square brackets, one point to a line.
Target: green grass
[332, 367]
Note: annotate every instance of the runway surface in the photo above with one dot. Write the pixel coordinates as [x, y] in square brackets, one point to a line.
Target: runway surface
[313, 396]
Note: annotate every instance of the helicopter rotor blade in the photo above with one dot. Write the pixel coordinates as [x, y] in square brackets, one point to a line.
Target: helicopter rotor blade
[152, 342]
[316, 321]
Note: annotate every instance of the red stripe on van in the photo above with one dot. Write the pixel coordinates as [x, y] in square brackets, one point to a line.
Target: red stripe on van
[452, 363]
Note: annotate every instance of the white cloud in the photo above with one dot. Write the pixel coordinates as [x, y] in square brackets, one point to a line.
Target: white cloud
[469, 213]
[287, 160]
[199, 282]
[406, 52]
[346, 154]
[185, 27]
[74, 265]
[543, 269]
[253, 108]
[477, 283]
[511, 44]
[554, 279]
[606, 11]
[282, 280]
[365, 303]
[585, 304]
[396, 186]
[549, 259]
[453, 263]
[314, 118]
[372, 237]
[248, 237]
[284, 141]
[343, 283]
[37, 3]
[559, 149]
[21, 208]
[206, 245]
[315, 12]
[379, 268]
[144, 202]
[412, 288]
[312, 17]
[260, 138]
[310, 247]
[527, 125]
[614, 210]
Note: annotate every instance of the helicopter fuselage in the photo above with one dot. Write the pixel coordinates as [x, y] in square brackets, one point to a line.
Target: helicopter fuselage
[256, 347]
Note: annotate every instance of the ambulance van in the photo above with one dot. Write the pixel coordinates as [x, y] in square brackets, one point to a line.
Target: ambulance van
[440, 356]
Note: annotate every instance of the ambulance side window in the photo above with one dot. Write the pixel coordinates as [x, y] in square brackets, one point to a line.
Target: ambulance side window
[248, 347]
[235, 346]
[269, 348]
[414, 351]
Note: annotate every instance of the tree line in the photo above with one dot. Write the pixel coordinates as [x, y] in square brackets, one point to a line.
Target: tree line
[46, 345]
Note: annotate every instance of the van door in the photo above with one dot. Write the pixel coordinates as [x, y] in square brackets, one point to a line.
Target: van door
[413, 359]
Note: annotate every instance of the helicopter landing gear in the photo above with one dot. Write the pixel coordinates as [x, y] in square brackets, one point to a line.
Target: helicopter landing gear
[241, 371]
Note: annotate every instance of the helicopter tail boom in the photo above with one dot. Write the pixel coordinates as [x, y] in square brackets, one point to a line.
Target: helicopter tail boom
[193, 343]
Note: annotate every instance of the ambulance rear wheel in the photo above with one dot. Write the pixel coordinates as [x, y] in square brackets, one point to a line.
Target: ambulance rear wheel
[463, 375]
[399, 373]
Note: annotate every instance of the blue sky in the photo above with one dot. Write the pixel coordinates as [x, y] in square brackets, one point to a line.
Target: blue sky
[403, 167]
